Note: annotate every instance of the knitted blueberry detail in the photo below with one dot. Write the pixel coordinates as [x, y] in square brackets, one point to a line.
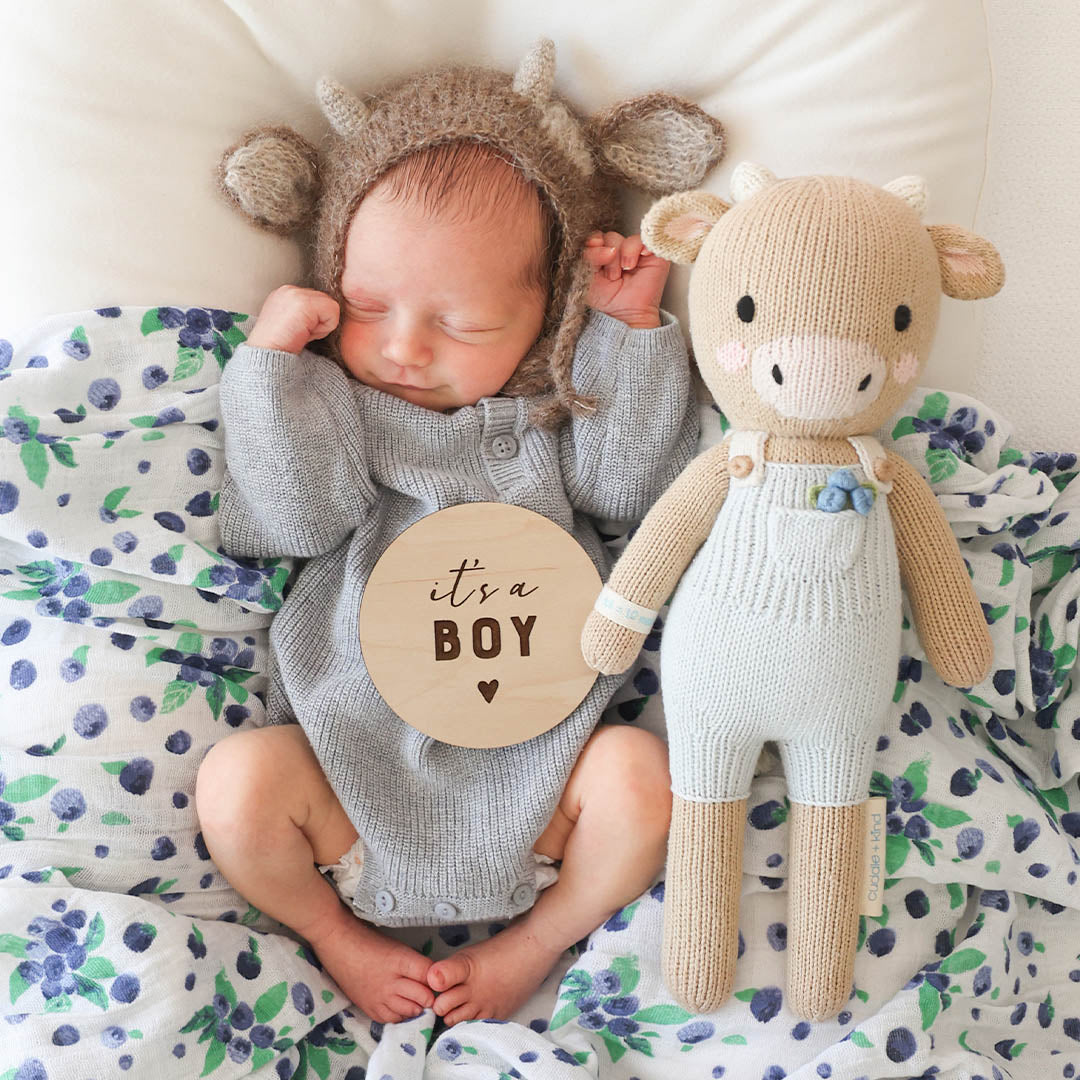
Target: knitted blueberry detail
[841, 492]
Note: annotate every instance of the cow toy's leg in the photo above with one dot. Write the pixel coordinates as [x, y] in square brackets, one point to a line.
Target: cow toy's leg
[701, 901]
[823, 911]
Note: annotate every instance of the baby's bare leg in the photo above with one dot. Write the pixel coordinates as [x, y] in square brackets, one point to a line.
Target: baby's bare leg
[610, 831]
[268, 816]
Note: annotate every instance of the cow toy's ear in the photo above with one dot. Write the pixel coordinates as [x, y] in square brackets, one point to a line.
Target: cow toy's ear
[971, 268]
[658, 142]
[675, 228]
[272, 176]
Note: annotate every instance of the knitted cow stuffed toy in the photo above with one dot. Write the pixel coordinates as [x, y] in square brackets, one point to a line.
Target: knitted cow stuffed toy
[813, 303]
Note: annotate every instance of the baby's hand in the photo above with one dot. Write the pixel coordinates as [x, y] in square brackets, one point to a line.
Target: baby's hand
[291, 317]
[627, 280]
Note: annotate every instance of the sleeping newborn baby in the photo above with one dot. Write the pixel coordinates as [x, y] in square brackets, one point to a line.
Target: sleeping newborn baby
[447, 318]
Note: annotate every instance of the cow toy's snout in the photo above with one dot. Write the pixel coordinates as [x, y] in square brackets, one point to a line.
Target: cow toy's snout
[817, 378]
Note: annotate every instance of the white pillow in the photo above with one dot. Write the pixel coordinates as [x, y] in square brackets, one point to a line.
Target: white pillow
[113, 117]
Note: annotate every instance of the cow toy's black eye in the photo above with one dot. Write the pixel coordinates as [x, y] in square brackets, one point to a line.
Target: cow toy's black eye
[902, 317]
[745, 308]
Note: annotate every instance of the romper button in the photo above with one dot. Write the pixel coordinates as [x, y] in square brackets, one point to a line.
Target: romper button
[384, 901]
[523, 895]
[445, 910]
[504, 446]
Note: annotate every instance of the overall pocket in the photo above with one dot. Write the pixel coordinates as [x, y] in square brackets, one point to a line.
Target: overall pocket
[814, 541]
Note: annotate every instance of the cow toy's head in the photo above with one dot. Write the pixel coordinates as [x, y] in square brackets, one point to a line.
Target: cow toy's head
[813, 300]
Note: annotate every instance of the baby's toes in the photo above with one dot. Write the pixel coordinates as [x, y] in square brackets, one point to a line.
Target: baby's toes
[414, 966]
[405, 1007]
[449, 972]
[455, 997]
[416, 993]
[468, 1011]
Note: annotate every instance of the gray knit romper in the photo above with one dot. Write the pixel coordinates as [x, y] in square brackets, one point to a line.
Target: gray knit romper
[326, 468]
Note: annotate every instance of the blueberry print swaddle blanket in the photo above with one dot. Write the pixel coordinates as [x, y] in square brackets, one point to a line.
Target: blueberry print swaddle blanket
[129, 643]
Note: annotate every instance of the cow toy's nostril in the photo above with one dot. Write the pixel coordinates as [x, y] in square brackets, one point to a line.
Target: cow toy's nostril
[777, 377]
[865, 383]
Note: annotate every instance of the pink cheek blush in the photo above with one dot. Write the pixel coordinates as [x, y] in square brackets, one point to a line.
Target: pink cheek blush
[907, 367]
[732, 356]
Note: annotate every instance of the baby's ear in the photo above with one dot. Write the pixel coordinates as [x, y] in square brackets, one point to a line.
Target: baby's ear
[971, 268]
[676, 226]
[272, 176]
[657, 142]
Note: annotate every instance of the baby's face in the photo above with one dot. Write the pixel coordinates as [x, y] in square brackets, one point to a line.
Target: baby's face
[435, 311]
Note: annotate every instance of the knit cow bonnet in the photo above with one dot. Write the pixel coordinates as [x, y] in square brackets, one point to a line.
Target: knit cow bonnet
[656, 142]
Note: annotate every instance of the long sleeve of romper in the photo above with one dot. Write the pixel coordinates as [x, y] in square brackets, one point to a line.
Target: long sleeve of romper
[618, 461]
[296, 482]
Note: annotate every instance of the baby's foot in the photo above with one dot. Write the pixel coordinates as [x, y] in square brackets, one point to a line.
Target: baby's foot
[494, 978]
[385, 978]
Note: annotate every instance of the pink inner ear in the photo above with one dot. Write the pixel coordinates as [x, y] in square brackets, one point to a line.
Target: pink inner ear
[732, 356]
[687, 226]
[907, 367]
[963, 263]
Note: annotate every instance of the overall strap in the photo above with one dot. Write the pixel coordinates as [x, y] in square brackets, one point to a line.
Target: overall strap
[870, 451]
[750, 444]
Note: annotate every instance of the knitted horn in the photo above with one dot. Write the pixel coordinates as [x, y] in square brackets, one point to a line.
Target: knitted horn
[912, 189]
[347, 114]
[535, 75]
[748, 179]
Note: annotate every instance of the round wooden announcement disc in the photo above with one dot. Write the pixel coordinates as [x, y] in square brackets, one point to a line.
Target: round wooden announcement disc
[471, 624]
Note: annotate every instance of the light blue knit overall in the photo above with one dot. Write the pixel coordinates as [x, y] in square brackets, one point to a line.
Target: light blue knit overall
[785, 627]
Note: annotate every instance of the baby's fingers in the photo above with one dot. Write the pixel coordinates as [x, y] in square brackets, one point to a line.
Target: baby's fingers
[630, 251]
[614, 267]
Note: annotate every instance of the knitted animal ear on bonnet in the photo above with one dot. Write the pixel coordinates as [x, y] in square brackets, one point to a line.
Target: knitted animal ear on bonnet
[813, 303]
[657, 142]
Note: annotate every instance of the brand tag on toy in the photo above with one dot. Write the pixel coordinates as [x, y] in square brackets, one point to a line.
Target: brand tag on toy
[471, 624]
[872, 879]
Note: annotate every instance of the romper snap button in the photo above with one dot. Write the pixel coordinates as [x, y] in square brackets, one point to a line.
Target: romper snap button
[445, 910]
[523, 895]
[504, 447]
[384, 900]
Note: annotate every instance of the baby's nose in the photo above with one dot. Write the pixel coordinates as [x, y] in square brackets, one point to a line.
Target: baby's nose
[407, 348]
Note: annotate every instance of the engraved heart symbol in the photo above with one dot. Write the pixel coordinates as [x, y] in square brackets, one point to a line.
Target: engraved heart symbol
[487, 689]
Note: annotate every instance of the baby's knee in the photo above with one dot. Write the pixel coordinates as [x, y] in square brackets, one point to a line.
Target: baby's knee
[630, 768]
[233, 780]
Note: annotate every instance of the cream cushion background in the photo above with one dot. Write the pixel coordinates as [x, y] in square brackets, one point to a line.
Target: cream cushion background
[113, 116]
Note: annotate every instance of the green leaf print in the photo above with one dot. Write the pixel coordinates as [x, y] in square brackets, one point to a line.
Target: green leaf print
[626, 967]
[905, 426]
[860, 1040]
[614, 1048]
[934, 407]
[110, 592]
[916, 773]
[95, 933]
[63, 454]
[190, 363]
[734, 1040]
[91, 990]
[36, 462]
[17, 986]
[568, 1012]
[151, 322]
[956, 895]
[28, 787]
[215, 1055]
[929, 1005]
[98, 967]
[176, 693]
[943, 816]
[13, 946]
[269, 1003]
[663, 1014]
[896, 852]
[964, 960]
[942, 463]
